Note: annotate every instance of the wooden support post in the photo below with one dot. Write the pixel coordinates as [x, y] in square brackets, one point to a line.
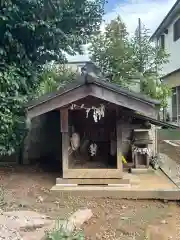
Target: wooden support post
[119, 145]
[65, 138]
[65, 146]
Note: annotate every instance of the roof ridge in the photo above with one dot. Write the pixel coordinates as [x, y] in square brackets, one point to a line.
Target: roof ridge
[139, 95]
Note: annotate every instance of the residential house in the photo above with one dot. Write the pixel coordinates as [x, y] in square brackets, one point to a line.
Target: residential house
[167, 35]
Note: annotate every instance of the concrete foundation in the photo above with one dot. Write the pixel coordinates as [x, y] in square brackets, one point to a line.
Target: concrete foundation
[152, 185]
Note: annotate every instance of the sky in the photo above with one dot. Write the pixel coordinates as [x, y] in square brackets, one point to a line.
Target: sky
[151, 13]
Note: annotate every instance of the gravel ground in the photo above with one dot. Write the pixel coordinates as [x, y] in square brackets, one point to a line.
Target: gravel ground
[28, 188]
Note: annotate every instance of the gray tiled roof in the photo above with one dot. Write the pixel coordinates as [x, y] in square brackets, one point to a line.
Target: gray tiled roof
[89, 79]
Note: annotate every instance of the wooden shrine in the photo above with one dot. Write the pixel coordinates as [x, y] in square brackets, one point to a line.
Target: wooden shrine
[115, 134]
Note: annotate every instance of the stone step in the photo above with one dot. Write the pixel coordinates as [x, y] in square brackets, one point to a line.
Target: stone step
[80, 181]
[141, 170]
[98, 182]
[66, 187]
[120, 192]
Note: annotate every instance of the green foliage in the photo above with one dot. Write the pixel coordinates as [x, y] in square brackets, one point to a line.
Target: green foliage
[33, 33]
[123, 57]
[55, 77]
[111, 51]
[11, 110]
[59, 233]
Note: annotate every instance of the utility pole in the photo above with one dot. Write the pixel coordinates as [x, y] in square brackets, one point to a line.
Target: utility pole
[140, 49]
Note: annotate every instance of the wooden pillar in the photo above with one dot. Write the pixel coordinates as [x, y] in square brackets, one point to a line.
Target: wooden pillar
[119, 145]
[65, 138]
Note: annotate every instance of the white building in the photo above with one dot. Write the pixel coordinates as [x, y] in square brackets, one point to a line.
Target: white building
[168, 36]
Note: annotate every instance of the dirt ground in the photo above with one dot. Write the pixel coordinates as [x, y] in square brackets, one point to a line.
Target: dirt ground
[29, 188]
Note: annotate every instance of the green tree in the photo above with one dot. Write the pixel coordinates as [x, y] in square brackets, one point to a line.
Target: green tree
[149, 60]
[31, 34]
[54, 77]
[112, 52]
[124, 57]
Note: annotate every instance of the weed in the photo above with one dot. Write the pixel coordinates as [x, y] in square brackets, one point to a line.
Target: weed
[59, 233]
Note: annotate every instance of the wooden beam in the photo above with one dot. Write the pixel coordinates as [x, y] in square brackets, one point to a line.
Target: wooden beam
[64, 119]
[65, 156]
[58, 101]
[65, 138]
[124, 100]
[119, 146]
[99, 92]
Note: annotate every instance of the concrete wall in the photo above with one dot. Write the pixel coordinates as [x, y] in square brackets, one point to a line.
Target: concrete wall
[44, 139]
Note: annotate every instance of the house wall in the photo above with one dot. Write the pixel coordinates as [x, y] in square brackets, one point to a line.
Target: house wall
[173, 48]
[43, 141]
[173, 81]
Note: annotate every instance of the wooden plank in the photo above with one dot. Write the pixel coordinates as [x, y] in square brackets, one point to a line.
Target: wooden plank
[92, 173]
[124, 100]
[96, 91]
[58, 101]
[64, 119]
[119, 146]
[65, 138]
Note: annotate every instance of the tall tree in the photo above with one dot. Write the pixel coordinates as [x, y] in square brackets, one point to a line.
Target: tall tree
[32, 33]
[124, 57]
[149, 60]
[112, 52]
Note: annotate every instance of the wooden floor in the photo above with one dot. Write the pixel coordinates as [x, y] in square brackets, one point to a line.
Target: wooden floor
[93, 173]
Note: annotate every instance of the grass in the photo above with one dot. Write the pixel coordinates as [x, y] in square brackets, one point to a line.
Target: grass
[59, 233]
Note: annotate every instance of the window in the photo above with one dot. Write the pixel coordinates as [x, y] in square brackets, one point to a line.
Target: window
[177, 30]
[162, 41]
